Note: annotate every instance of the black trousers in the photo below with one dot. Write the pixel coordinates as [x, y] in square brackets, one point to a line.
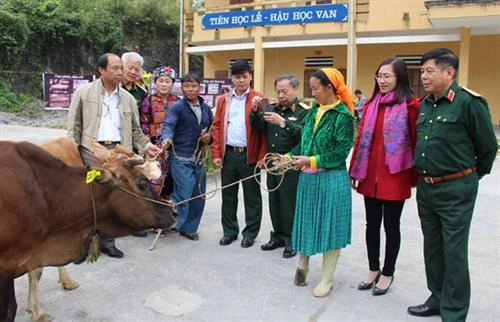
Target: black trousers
[236, 168]
[390, 211]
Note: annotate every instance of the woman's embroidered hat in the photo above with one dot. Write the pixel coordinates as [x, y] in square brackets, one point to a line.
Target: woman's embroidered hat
[164, 71]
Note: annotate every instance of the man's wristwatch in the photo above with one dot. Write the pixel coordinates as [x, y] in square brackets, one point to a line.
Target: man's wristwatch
[283, 124]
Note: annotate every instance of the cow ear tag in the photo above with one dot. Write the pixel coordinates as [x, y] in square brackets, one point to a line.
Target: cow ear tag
[91, 175]
[94, 251]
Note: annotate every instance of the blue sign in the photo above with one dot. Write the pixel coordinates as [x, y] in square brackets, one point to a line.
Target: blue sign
[277, 16]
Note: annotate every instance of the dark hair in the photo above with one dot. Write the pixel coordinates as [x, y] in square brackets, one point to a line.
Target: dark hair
[191, 77]
[403, 91]
[323, 79]
[294, 81]
[240, 67]
[358, 91]
[104, 60]
[443, 57]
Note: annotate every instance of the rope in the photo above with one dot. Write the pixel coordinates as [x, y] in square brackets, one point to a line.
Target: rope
[94, 209]
[281, 166]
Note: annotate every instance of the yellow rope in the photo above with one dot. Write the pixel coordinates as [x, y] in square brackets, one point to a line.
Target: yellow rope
[280, 167]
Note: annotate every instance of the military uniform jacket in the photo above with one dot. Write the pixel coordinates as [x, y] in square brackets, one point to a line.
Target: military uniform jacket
[138, 92]
[282, 140]
[454, 132]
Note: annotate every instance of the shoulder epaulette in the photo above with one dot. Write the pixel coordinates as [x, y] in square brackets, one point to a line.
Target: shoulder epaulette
[470, 91]
[304, 105]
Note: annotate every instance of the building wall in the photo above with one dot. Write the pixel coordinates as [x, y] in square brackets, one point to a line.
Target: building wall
[384, 18]
[388, 15]
[484, 74]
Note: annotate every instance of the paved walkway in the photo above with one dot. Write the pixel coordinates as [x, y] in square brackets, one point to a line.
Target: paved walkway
[182, 280]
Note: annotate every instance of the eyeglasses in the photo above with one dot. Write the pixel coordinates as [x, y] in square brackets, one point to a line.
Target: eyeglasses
[380, 77]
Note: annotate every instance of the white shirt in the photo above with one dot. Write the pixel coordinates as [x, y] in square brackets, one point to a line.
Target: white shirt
[110, 127]
[236, 127]
[196, 109]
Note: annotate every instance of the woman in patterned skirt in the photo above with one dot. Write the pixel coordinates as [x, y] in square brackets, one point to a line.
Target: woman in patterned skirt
[322, 222]
[152, 118]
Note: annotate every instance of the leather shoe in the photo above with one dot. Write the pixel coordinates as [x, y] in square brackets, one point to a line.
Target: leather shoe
[422, 310]
[289, 252]
[272, 245]
[112, 252]
[380, 291]
[363, 286]
[247, 242]
[140, 233]
[226, 240]
[192, 236]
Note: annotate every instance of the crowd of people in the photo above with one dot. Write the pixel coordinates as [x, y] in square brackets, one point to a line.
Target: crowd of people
[441, 144]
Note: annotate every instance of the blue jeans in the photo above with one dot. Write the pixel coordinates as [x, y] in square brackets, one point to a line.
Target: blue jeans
[189, 181]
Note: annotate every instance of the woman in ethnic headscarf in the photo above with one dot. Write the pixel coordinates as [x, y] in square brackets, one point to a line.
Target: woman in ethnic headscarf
[152, 118]
[322, 223]
[382, 166]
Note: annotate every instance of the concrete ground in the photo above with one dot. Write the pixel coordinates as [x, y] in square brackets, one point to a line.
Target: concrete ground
[184, 280]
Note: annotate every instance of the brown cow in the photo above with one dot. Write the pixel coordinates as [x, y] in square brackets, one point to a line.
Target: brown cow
[46, 211]
[66, 149]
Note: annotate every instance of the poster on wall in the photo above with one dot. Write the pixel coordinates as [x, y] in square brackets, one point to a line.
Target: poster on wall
[211, 89]
[58, 89]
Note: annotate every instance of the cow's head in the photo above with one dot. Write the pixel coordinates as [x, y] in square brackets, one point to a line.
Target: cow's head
[122, 172]
[150, 168]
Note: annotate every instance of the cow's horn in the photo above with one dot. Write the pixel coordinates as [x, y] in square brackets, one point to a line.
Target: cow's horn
[136, 160]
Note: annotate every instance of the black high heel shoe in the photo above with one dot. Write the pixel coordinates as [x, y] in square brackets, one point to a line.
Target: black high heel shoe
[363, 286]
[380, 291]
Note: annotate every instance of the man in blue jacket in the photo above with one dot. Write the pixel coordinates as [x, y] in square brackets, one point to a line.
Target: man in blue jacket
[186, 131]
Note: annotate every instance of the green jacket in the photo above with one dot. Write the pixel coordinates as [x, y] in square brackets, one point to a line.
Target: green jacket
[332, 140]
[138, 92]
[454, 132]
[282, 140]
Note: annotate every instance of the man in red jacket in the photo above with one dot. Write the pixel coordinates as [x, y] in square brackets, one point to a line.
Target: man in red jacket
[238, 147]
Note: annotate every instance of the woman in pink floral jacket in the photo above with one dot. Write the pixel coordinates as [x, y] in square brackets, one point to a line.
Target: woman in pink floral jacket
[152, 117]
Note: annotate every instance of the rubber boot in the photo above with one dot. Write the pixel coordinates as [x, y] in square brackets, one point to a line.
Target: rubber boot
[329, 264]
[302, 270]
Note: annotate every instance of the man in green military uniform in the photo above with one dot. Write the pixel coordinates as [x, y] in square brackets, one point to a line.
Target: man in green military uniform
[283, 124]
[456, 146]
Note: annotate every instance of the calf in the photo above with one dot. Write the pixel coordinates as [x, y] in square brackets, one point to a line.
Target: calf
[46, 210]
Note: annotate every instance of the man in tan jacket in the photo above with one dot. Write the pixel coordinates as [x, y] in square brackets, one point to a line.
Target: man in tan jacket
[104, 112]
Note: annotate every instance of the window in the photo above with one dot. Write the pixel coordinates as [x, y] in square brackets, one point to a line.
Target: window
[307, 75]
[416, 82]
[317, 61]
[221, 74]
